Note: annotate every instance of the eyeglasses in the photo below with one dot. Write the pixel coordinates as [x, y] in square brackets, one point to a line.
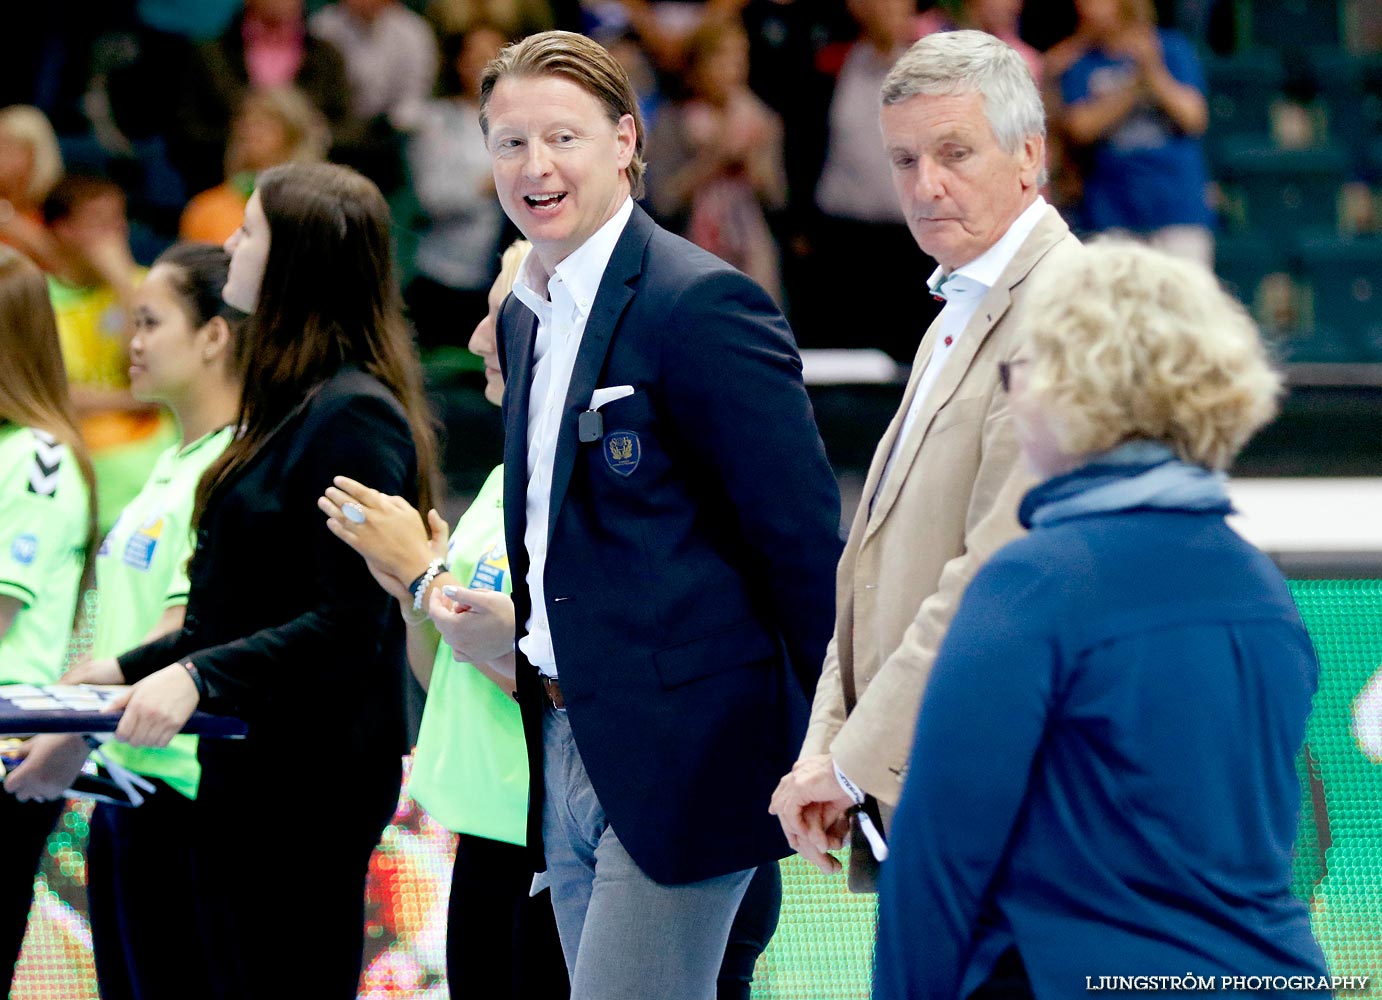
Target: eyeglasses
[1005, 372]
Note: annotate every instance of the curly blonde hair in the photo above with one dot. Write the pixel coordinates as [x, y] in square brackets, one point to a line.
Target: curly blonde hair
[1126, 342]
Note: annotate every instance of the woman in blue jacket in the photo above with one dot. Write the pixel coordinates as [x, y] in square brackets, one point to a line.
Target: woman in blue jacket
[1102, 782]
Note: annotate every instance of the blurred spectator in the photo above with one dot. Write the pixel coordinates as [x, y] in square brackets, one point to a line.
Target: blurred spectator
[861, 240]
[512, 18]
[786, 39]
[1131, 107]
[717, 157]
[46, 55]
[195, 19]
[390, 56]
[628, 51]
[997, 17]
[266, 46]
[457, 254]
[92, 288]
[273, 126]
[30, 166]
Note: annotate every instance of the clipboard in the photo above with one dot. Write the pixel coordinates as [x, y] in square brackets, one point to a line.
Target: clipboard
[30, 710]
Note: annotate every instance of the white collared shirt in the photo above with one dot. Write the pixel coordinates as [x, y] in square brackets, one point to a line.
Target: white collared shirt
[964, 288]
[561, 317]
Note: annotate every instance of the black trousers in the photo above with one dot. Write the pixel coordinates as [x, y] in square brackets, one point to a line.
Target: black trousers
[25, 827]
[139, 878]
[280, 862]
[750, 933]
[501, 944]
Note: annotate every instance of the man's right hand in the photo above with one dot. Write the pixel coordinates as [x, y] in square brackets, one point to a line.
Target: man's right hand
[813, 810]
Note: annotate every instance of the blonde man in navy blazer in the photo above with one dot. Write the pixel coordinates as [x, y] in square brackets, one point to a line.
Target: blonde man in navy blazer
[673, 527]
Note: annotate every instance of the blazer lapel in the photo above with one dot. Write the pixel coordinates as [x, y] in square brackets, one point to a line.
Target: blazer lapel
[1048, 232]
[616, 291]
[518, 385]
[886, 444]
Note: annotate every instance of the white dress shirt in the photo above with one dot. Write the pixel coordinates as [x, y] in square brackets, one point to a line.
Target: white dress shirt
[562, 305]
[963, 289]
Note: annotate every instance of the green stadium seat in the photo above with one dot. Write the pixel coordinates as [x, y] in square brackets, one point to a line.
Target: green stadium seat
[1241, 262]
[1288, 24]
[1350, 88]
[1343, 276]
[1241, 90]
[1372, 161]
[1284, 190]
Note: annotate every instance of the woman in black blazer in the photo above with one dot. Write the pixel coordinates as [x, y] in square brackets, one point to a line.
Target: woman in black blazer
[284, 626]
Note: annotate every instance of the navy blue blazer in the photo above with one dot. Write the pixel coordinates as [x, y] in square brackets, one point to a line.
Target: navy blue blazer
[691, 556]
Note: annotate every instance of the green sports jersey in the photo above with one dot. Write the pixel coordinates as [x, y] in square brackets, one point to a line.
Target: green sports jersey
[44, 518]
[141, 571]
[470, 768]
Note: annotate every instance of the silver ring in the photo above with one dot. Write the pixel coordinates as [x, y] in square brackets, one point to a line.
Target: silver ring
[353, 512]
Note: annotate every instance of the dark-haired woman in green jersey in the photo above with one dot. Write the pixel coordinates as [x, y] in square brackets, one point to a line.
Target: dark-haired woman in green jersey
[181, 355]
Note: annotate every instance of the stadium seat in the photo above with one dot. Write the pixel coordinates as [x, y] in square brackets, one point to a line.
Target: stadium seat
[1241, 90]
[1283, 191]
[1350, 88]
[1343, 278]
[1286, 24]
[1241, 262]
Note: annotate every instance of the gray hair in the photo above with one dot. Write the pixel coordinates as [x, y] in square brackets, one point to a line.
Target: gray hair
[963, 62]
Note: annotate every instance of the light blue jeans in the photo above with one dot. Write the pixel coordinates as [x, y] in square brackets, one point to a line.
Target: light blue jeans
[625, 936]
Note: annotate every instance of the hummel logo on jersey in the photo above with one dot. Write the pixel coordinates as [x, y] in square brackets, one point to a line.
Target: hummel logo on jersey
[43, 476]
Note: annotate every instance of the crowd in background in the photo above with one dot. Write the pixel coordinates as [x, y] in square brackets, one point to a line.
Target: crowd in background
[764, 144]
[790, 181]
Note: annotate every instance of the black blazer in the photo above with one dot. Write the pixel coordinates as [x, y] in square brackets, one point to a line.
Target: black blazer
[691, 560]
[284, 621]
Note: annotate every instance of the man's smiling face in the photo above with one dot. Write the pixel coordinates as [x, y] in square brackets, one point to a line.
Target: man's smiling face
[559, 162]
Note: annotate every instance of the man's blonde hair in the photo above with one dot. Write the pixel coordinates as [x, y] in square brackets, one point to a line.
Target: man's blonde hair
[585, 63]
[1125, 342]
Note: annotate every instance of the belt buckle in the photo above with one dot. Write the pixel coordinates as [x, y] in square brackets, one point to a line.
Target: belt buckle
[551, 687]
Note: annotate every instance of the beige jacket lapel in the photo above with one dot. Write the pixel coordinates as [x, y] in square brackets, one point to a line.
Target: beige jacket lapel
[1049, 230]
[885, 445]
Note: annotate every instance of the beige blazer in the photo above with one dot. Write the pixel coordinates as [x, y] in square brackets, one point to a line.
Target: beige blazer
[949, 502]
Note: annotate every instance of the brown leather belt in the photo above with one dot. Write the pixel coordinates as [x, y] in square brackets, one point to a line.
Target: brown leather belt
[552, 689]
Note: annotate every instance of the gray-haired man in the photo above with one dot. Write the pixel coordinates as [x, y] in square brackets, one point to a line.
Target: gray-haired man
[965, 133]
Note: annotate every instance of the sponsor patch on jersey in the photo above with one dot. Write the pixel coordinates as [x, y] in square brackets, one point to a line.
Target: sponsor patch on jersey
[24, 549]
[622, 451]
[490, 570]
[139, 550]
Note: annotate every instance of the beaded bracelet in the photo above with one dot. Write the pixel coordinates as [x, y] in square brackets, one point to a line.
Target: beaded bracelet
[419, 586]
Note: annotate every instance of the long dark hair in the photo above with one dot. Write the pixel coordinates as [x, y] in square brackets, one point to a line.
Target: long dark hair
[329, 298]
[198, 272]
[33, 391]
